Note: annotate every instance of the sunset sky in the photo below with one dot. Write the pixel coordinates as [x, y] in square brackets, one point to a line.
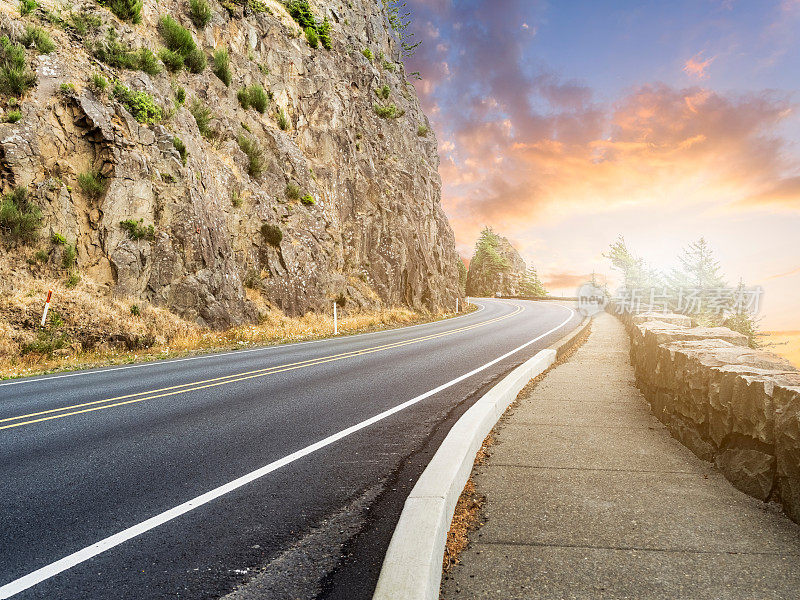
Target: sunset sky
[565, 124]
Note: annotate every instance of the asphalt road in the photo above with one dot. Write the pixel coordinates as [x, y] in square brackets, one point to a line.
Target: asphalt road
[296, 458]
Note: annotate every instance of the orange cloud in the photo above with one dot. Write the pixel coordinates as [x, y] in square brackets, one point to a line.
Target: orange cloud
[566, 280]
[696, 67]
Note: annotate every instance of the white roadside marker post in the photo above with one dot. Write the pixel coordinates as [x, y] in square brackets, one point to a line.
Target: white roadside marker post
[335, 321]
[46, 307]
[456, 304]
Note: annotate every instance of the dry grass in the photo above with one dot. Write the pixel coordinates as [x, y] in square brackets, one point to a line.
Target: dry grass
[102, 330]
[467, 515]
[783, 343]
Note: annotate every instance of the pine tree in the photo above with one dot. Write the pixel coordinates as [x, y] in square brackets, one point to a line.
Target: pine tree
[636, 273]
[699, 276]
[531, 285]
[699, 268]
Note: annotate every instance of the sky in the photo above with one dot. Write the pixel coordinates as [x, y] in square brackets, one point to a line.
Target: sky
[566, 124]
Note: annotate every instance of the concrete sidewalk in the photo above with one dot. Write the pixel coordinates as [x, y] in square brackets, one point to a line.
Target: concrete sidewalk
[588, 496]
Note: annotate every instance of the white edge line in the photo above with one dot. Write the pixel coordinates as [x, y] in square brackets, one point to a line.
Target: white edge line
[158, 363]
[53, 569]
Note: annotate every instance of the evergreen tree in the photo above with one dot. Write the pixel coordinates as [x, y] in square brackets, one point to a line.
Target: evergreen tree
[636, 273]
[699, 268]
[531, 285]
[462, 277]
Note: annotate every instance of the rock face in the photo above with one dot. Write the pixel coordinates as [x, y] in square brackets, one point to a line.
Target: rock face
[375, 233]
[728, 403]
[496, 267]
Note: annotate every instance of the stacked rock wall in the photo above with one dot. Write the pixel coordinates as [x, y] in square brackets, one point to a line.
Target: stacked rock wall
[730, 404]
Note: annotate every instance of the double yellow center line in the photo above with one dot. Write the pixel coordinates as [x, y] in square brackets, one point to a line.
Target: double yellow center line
[76, 409]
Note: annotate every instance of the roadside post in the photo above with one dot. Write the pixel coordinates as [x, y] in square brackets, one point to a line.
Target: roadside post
[46, 307]
[456, 304]
[335, 320]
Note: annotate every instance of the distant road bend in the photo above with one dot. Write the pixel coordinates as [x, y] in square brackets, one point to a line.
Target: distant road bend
[185, 478]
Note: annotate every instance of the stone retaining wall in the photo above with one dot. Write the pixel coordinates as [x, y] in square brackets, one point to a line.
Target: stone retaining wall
[730, 404]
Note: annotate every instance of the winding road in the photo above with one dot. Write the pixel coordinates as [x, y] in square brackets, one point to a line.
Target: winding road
[186, 478]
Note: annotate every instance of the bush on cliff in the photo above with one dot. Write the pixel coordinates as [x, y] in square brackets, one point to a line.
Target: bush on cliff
[15, 77]
[140, 104]
[222, 65]
[255, 155]
[200, 13]
[19, 219]
[202, 116]
[272, 234]
[38, 37]
[180, 40]
[137, 230]
[127, 10]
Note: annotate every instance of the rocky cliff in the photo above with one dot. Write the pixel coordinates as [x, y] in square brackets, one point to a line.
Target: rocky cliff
[322, 186]
[496, 267]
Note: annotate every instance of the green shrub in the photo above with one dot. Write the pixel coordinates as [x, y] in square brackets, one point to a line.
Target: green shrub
[26, 7]
[12, 116]
[202, 116]
[180, 95]
[243, 97]
[257, 6]
[171, 59]
[136, 230]
[199, 12]
[324, 31]
[272, 234]
[422, 130]
[42, 255]
[311, 37]
[69, 257]
[181, 148]
[112, 52]
[195, 61]
[140, 104]
[72, 280]
[176, 38]
[293, 191]
[388, 112]
[255, 155]
[19, 219]
[57, 239]
[15, 77]
[254, 96]
[83, 21]
[38, 37]
[283, 121]
[384, 91]
[98, 83]
[389, 66]
[47, 341]
[127, 10]
[66, 90]
[301, 13]
[367, 52]
[92, 183]
[222, 65]
[308, 200]
[135, 310]
[147, 61]
[236, 199]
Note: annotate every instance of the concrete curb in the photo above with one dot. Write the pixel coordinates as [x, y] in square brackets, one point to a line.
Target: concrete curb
[412, 567]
